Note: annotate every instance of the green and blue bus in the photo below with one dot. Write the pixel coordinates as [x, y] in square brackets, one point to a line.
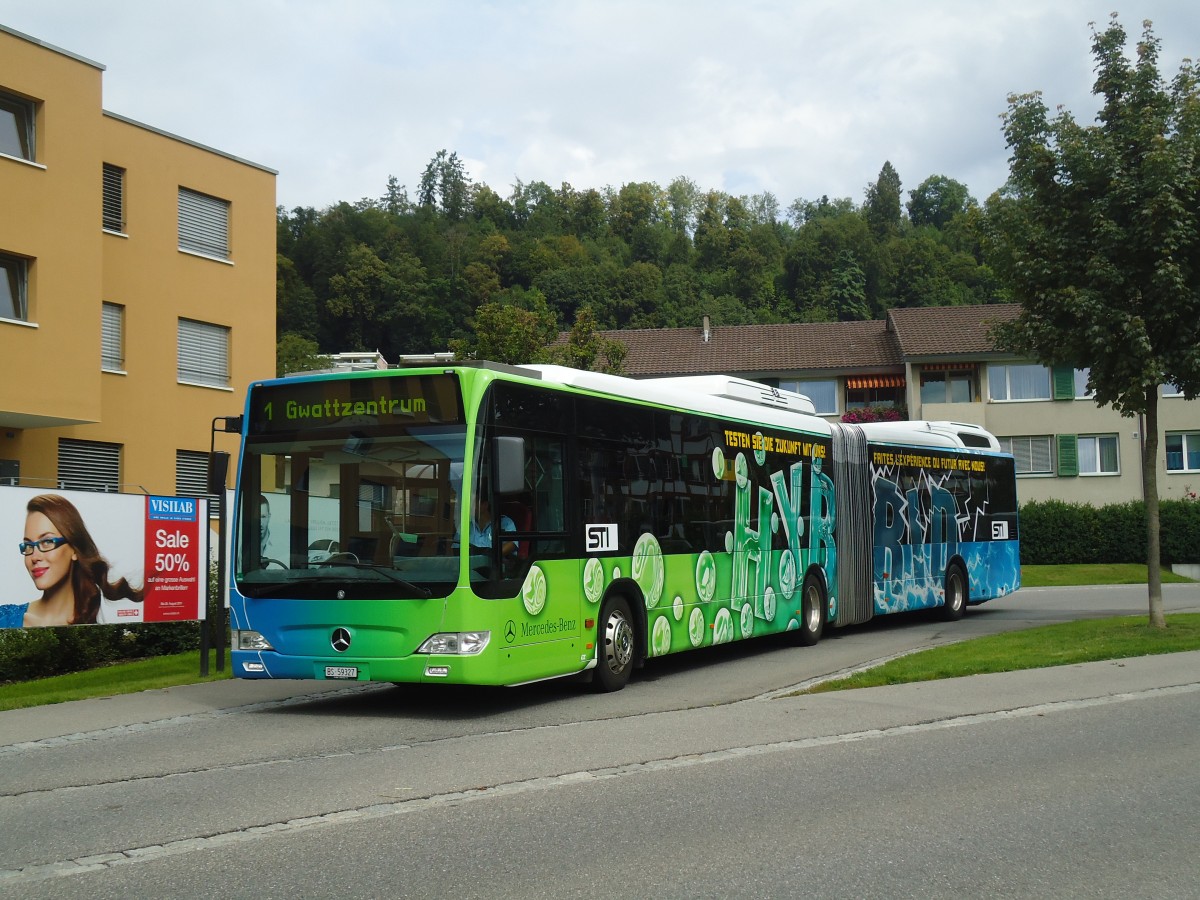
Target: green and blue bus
[485, 524]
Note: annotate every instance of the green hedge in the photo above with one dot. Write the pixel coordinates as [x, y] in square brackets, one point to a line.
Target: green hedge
[1056, 533]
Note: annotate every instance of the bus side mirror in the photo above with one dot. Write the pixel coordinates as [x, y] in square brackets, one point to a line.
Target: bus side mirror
[509, 454]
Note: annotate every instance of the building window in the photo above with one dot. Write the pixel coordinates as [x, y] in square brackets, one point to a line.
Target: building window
[1172, 390]
[191, 477]
[1031, 452]
[14, 288]
[88, 465]
[112, 337]
[822, 393]
[947, 385]
[1067, 383]
[1183, 452]
[191, 473]
[16, 127]
[114, 198]
[1097, 454]
[203, 224]
[875, 390]
[203, 354]
[1019, 382]
[1081, 388]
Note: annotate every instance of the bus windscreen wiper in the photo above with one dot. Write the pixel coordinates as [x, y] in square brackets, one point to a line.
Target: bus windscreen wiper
[389, 573]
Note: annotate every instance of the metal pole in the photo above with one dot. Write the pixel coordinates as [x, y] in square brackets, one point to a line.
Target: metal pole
[218, 471]
[212, 444]
[204, 632]
[222, 564]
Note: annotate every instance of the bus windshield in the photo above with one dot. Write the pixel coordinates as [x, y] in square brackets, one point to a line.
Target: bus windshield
[350, 489]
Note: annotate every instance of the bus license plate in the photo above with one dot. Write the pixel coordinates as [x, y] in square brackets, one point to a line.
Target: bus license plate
[341, 671]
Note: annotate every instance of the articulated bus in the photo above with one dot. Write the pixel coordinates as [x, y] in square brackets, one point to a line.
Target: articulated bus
[486, 524]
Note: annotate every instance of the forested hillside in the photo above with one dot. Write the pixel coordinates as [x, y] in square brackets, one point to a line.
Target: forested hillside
[455, 264]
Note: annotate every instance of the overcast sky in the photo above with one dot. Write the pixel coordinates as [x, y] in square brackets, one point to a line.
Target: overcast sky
[799, 98]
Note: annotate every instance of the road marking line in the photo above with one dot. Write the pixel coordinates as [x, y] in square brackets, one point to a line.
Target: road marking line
[109, 860]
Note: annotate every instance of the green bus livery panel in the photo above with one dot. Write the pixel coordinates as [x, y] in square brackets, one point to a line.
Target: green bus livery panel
[496, 526]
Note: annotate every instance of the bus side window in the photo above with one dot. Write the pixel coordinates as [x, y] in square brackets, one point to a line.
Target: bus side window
[535, 501]
[601, 486]
[544, 481]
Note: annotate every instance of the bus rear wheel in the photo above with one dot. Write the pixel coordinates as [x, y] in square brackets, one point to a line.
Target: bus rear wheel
[956, 593]
[616, 637]
[812, 612]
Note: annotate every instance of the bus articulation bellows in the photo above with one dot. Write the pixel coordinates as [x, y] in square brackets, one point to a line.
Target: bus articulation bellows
[485, 524]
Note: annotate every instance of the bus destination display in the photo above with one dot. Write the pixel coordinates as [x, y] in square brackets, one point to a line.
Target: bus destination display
[381, 401]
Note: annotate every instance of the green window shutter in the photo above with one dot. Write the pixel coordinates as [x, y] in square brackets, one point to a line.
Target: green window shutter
[1068, 455]
[1064, 383]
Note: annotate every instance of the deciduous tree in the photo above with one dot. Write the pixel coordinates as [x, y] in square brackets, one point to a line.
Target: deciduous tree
[510, 332]
[296, 353]
[937, 200]
[1098, 236]
[588, 349]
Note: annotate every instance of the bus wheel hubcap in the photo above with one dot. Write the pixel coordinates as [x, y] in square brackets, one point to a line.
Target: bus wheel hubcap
[618, 642]
[813, 609]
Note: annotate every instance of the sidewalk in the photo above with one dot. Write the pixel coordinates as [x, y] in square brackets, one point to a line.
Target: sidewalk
[887, 706]
[80, 716]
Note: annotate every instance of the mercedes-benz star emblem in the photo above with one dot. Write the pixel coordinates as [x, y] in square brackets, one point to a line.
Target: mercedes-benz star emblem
[340, 640]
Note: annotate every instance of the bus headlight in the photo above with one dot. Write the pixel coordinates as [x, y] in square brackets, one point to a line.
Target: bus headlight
[461, 643]
[250, 640]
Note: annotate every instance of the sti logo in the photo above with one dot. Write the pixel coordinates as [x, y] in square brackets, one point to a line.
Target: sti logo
[601, 538]
[999, 531]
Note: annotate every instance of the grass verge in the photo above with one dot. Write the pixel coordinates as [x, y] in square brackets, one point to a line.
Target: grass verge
[121, 678]
[1118, 573]
[1090, 640]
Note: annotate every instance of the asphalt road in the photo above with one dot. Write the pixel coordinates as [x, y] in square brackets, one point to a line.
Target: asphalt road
[702, 778]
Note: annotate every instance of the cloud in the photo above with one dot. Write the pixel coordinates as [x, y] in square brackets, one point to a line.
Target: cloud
[799, 99]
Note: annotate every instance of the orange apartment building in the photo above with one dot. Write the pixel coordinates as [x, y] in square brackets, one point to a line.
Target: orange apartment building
[137, 285]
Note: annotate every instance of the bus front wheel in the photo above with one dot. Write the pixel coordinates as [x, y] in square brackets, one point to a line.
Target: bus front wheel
[616, 642]
[956, 593]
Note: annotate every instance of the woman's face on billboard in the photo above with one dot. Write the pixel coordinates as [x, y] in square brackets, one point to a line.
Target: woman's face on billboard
[47, 568]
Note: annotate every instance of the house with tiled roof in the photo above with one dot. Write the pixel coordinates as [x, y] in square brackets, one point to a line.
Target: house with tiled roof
[939, 363]
[748, 350]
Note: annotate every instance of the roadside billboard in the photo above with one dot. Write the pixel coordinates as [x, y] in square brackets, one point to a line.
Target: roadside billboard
[81, 558]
